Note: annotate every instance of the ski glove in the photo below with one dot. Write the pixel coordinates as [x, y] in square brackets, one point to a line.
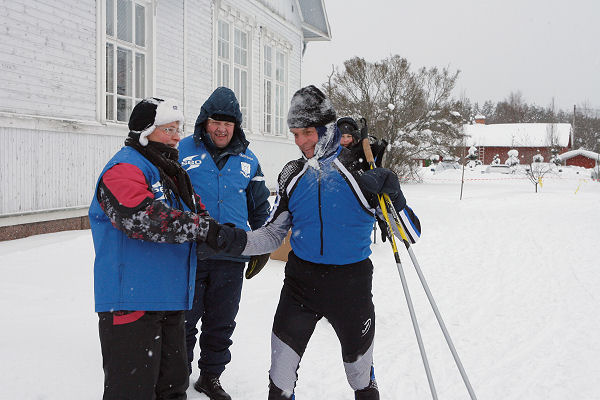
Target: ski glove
[383, 180]
[383, 228]
[256, 264]
[222, 238]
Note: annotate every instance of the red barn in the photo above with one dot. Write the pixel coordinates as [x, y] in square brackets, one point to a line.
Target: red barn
[527, 139]
[581, 158]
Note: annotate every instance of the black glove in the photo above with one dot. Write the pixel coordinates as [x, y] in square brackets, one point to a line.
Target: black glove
[383, 228]
[222, 238]
[256, 264]
[383, 180]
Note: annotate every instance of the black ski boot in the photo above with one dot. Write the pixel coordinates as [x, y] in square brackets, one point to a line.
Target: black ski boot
[210, 386]
[369, 393]
[277, 394]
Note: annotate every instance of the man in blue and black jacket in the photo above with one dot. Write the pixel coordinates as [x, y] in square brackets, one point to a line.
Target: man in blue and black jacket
[329, 203]
[228, 178]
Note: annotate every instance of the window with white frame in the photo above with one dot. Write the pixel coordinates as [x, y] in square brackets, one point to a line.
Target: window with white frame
[127, 56]
[274, 90]
[233, 62]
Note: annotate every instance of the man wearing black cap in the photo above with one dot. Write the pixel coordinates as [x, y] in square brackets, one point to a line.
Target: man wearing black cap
[227, 175]
[145, 220]
[328, 274]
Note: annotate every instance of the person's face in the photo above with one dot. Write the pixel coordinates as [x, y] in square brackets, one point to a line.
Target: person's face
[168, 134]
[220, 132]
[346, 140]
[306, 139]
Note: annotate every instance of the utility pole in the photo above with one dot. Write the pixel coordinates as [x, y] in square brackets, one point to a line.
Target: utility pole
[573, 128]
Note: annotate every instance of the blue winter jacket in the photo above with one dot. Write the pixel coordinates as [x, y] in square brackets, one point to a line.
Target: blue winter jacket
[229, 181]
[131, 274]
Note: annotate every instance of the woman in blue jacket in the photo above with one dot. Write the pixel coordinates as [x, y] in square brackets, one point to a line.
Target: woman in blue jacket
[145, 220]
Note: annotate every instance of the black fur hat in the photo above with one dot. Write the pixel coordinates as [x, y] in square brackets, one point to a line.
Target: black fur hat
[310, 107]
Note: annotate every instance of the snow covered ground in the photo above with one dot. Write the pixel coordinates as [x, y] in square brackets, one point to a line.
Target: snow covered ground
[515, 275]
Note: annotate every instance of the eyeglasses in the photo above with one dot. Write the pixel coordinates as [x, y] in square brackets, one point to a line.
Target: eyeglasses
[171, 131]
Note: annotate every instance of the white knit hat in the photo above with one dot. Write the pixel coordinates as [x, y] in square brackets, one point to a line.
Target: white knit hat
[152, 112]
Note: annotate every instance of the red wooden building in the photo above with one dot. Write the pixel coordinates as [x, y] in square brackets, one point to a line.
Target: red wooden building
[527, 139]
[580, 158]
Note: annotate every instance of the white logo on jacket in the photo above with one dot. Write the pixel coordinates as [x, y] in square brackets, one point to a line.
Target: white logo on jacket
[245, 169]
[157, 189]
[190, 163]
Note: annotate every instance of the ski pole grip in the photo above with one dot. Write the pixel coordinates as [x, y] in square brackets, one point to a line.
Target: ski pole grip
[364, 136]
[367, 149]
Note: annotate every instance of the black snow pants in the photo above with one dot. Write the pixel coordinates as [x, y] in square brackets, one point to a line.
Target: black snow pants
[143, 354]
[341, 294]
[216, 303]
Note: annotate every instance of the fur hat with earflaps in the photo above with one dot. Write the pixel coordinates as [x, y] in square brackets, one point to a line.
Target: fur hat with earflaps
[310, 107]
[150, 113]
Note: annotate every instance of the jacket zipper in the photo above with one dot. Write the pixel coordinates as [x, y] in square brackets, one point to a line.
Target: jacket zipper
[320, 215]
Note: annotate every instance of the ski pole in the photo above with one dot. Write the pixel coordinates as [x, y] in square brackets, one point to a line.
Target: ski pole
[432, 302]
[370, 159]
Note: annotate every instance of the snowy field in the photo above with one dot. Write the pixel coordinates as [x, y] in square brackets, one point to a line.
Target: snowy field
[515, 275]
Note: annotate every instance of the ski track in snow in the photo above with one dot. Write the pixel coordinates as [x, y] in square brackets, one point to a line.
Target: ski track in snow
[513, 273]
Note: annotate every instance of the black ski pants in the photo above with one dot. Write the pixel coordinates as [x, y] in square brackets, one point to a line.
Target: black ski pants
[340, 293]
[216, 303]
[143, 354]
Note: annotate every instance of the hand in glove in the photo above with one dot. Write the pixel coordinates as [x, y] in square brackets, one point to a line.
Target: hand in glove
[383, 228]
[256, 264]
[383, 180]
[222, 238]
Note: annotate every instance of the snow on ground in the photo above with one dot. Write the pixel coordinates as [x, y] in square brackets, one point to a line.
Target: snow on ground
[514, 274]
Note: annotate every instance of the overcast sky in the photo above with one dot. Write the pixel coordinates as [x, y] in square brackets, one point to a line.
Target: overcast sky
[543, 48]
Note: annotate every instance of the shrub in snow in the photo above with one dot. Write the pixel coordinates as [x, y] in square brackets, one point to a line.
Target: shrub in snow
[496, 160]
[513, 158]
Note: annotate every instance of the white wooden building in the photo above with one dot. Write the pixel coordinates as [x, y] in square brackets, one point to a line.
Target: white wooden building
[71, 71]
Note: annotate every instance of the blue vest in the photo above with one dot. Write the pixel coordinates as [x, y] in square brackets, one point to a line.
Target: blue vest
[223, 191]
[330, 226]
[131, 274]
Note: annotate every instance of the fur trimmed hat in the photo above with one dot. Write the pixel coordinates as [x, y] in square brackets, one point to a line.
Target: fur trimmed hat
[152, 112]
[310, 107]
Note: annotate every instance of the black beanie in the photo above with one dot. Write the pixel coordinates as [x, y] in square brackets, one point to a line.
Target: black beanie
[310, 107]
[348, 126]
[223, 117]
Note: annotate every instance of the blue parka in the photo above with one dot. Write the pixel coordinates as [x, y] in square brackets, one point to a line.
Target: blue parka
[132, 274]
[229, 181]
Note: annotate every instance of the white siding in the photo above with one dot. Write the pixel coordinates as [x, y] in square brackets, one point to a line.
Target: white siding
[169, 49]
[199, 67]
[43, 170]
[52, 147]
[48, 53]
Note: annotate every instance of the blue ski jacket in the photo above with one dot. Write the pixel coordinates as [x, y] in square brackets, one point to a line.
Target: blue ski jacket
[229, 181]
[132, 274]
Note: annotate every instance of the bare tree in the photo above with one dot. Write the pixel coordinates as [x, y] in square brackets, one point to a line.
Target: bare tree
[412, 110]
[537, 169]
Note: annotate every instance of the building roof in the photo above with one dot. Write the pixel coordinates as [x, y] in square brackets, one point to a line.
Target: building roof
[518, 135]
[315, 25]
[573, 153]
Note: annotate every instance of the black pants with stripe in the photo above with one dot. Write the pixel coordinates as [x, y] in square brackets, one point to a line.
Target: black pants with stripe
[341, 294]
[143, 354]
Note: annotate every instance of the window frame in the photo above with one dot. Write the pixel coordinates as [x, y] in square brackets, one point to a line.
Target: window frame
[239, 76]
[148, 50]
[276, 111]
